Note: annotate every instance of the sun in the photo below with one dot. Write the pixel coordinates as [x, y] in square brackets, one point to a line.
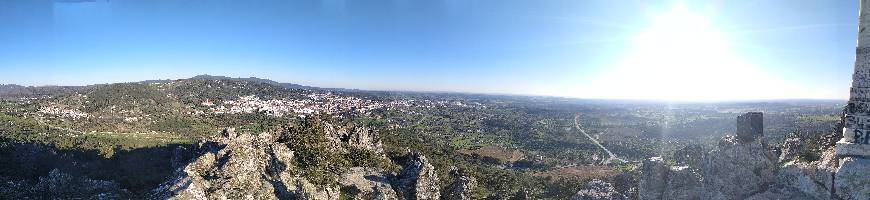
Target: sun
[682, 55]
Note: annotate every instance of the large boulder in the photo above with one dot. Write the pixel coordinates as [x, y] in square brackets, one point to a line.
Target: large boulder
[418, 179]
[659, 181]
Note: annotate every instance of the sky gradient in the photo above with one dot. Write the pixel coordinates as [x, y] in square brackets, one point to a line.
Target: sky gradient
[630, 49]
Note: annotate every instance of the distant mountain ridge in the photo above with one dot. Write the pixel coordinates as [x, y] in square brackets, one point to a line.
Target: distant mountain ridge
[16, 91]
[256, 80]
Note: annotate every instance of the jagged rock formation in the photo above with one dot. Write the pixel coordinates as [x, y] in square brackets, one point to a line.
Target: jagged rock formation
[367, 183]
[790, 147]
[343, 138]
[303, 161]
[462, 185]
[653, 181]
[801, 179]
[598, 190]
[691, 155]
[246, 166]
[740, 167]
[737, 170]
[418, 179]
[662, 182]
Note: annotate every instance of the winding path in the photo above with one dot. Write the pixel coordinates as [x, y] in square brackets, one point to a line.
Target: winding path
[612, 156]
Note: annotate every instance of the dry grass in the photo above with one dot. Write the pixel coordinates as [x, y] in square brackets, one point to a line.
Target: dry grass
[501, 154]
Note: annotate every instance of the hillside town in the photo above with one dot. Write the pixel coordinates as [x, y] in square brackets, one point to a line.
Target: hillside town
[328, 103]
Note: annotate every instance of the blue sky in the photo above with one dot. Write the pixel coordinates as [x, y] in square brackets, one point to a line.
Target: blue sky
[628, 49]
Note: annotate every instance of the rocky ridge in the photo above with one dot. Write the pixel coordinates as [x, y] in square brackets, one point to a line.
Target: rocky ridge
[265, 166]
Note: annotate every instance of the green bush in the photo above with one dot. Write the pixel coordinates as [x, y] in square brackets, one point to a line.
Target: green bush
[313, 154]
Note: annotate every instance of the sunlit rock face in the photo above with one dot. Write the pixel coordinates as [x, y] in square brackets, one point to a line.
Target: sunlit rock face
[462, 187]
[737, 170]
[653, 180]
[852, 179]
[659, 181]
[244, 166]
[418, 179]
[598, 190]
[368, 183]
[714, 174]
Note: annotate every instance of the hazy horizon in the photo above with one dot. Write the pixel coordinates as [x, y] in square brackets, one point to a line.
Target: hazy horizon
[646, 50]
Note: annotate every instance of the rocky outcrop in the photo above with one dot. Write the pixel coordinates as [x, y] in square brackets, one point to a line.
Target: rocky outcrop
[462, 187]
[418, 179]
[658, 181]
[683, 182]
[598, 190]
[273, 166]
[246, 166]
[790, 147]
[367, 183]
[740, 166]
[737, 169]
[691, 155]
[653, 180]
[804, 180]
[344, 138]
[801, 177]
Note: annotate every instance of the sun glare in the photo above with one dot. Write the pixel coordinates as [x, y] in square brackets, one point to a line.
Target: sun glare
[683, 56]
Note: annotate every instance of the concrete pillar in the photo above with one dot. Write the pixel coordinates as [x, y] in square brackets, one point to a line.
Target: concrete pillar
[852, 179]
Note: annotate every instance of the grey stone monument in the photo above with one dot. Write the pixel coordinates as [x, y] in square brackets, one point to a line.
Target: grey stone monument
[852, 179]
[750, 126]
